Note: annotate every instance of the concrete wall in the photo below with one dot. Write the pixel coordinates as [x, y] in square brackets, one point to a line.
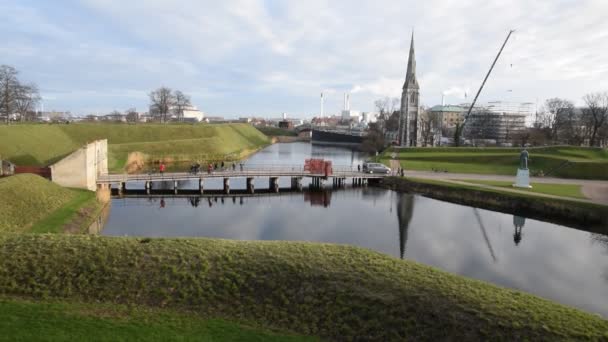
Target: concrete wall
[80, 169]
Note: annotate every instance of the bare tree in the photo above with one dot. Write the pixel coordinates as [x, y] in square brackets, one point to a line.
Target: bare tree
[388, 113]
[132, 115]
[9, 91]
[559, 117]
[374, 140]
[161, 101]
[430, 125]
[595, 115]
[27, 99]
[181, 101]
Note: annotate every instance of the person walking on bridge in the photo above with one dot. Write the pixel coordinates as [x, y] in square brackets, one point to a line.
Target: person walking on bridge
[161, 168]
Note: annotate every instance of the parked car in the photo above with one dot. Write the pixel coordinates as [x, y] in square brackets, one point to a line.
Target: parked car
[376, 168]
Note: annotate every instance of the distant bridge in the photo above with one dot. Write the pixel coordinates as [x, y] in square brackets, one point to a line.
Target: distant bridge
[339, 176]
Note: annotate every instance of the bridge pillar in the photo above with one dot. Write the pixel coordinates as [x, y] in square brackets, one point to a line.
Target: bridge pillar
[148, 187]
[121, 188]
[273, 184]
[250, 186]
[201, 185]
[226, 185]
[175, 187]
[296, 183]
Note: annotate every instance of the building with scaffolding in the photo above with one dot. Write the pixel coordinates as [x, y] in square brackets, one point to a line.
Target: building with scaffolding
[498, 121]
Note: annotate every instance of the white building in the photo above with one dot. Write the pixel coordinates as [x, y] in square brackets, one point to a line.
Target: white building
[369, 117]
[191, 113]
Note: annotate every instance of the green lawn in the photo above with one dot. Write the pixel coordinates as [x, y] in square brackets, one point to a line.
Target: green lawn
[329, 291]
[37, 145]
[564, 190]
[561, 161]
[532, 195]
[24, 320]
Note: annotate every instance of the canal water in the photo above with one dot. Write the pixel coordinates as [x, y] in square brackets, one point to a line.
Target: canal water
[552, 261]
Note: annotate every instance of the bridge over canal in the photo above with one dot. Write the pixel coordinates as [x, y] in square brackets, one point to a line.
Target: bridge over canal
[339, 176]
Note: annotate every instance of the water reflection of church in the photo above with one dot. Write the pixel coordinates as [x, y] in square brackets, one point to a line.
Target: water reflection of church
[405, 211]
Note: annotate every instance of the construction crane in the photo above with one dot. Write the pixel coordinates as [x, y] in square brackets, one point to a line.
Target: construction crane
[485, 235]
[460, 127]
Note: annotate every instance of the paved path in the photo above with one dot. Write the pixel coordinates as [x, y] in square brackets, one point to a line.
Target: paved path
[595, 190]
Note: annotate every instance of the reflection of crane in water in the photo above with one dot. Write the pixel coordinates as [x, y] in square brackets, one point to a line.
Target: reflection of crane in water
[405, 211]
[483, 231]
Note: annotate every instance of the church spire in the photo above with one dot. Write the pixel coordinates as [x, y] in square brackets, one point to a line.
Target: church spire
[411, 81]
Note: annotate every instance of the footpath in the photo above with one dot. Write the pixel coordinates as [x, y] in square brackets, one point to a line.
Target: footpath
[596, 191]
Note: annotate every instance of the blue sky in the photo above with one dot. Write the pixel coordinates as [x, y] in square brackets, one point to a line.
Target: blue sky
[248, 57]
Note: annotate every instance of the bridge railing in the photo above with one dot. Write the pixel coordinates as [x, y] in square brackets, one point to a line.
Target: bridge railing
[253, 170]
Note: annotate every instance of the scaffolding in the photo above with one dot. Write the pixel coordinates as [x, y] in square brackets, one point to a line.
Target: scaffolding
[498, 121]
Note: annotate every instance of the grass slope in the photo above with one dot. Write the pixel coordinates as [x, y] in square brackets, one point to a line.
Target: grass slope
[33, 204]
[37, 145]
[27, 199]
[331, 291]
[276, 131]
[23, 320]
[564, 190]
[585, 163]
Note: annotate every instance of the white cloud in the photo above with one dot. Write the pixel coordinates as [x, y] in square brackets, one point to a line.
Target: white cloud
[288, 51]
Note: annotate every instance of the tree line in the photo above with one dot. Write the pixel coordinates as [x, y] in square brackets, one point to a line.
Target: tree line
[559, 121]
[17, 98]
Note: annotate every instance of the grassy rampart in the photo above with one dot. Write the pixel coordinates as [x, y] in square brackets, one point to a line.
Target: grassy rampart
[556, 161]
[33, 204]
[332, 291]
[38, 145]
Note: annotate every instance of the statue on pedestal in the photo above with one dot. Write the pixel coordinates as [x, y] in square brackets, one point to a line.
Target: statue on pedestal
[523, 160]
[523, 174]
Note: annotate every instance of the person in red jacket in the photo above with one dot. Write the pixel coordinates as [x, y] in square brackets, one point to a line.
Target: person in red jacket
[162, 168]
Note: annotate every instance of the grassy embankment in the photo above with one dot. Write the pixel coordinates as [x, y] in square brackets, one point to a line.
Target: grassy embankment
[277, 132]
[330, 291]
[34, 204]
[558, 161]
[563, 190]
[39, 145]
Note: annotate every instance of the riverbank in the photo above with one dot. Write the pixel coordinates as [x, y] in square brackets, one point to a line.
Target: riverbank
[35, 205]
[41, 145]
[554, 161]
[324, 290]
[587, 216]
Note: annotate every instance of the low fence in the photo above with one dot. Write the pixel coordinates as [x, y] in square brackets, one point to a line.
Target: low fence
[40, 171]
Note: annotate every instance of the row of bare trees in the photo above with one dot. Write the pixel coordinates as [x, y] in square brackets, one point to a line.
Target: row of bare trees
[561, 122]
[16, 97]
[164, 101]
